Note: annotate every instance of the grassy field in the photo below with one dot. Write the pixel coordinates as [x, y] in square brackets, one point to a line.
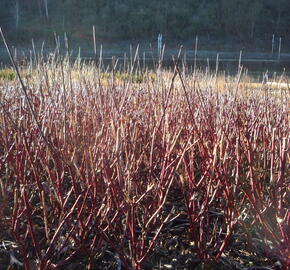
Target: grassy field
[138, 169]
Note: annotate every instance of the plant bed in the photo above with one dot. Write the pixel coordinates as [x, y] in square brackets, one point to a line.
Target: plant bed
[174, 171]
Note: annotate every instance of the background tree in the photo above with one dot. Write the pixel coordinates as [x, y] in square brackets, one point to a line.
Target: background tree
[138, 19]
[6, 13]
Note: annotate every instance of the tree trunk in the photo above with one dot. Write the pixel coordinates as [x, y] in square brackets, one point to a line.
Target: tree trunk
[46, 9]
[39, 7]
[16, 14]
[252, 30]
